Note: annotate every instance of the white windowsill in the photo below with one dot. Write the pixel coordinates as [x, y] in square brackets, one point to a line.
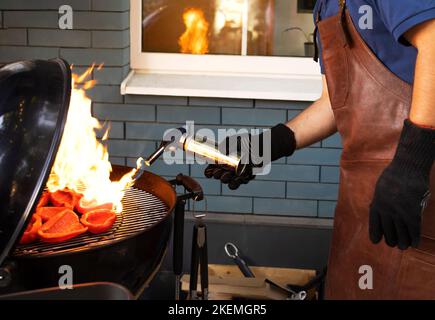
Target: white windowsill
[267, 87]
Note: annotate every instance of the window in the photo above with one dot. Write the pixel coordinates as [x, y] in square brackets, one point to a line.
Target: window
[252, 45]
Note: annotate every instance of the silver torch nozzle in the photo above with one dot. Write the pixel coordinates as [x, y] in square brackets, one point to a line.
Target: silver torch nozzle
[199, 146]
[208, 149]
[156, 154]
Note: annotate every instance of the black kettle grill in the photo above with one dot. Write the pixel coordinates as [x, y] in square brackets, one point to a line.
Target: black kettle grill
[34, 101]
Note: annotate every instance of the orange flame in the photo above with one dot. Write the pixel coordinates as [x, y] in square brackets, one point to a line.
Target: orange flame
[194, 39]
[82, 162]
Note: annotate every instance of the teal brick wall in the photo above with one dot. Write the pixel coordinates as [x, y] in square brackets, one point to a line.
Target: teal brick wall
[303, 185]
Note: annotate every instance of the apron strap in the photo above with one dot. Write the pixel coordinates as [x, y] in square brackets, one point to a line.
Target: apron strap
[316, 32]
[316, 45]
[343, 23]
[343, 27]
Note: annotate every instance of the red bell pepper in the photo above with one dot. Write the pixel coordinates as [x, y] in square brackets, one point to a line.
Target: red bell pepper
[31, 232]
[98, 221]
[43, 201]
[47, 212]
[62, 227]
[83, 206]
[65, 198]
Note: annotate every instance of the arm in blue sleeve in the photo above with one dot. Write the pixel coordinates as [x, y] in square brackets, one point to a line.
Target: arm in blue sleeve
[401, 15]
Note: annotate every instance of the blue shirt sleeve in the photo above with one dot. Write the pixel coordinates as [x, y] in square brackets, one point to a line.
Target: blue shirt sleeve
[316, 11]
[399, 16]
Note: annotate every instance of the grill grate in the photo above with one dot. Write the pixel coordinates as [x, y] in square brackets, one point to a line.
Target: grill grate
[141, 210]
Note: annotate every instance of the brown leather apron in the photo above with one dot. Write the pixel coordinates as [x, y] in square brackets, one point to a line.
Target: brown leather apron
[370, 104]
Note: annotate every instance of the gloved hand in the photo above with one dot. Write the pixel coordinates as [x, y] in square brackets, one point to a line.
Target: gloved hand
[283, 144]
[402, 190]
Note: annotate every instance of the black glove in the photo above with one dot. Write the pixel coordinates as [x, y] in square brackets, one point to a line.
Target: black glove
[283, 144]
[402, 190]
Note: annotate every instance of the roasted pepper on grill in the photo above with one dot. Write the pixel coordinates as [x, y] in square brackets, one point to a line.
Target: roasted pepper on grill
[62, 227]
[31, 232]
[98, 221]
[84, 206]
[65, 198]
[43, 201]
[47, 212]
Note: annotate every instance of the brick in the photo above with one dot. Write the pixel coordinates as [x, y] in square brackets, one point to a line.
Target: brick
[111, 39]
[31, 19]
[316, 156]
[59, 38]
[109, 75]
[117, 161]
[14, 37]
[8, 54]
[182, 114]
[101, 93]
[101, 20]
[125, 71]
[123, 112]
[197, 170]
[85, 57]
[258, 188]
[221, 102]
[81, 70]
[316, 145]
[44, 4]
[333, 141]
[306, 208]
[292, 114]
[315, 191]
[210, 187]
[122, 148]
[148, 131]
[161, 168]
[216, 130]
[253, 117]
[330, 174]
[157, 100]
[116, 130]
[292, 173]
[276, 104]
[327, 209]
[225, 204]
[110, 5]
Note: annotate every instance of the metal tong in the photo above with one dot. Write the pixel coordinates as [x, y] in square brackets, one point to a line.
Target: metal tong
[233, 252]
[199, 259]
[194, 192]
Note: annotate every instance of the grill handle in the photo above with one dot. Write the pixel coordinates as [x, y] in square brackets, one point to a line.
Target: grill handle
[193, 187]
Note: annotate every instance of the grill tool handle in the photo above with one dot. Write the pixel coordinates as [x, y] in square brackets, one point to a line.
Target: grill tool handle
[178, 244]
[178, 237]
[193, 187]
[194, 264]
[233, 252]
[244, 268]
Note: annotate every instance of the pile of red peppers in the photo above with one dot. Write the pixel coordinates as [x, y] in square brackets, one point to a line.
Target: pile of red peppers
[63, 215]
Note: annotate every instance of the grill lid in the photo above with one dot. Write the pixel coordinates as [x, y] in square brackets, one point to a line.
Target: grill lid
[34, 100]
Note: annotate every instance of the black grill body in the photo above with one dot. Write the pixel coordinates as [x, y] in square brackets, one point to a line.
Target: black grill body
[128, 254]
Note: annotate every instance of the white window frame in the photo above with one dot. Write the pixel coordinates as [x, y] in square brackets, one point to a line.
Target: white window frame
[218, 68]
